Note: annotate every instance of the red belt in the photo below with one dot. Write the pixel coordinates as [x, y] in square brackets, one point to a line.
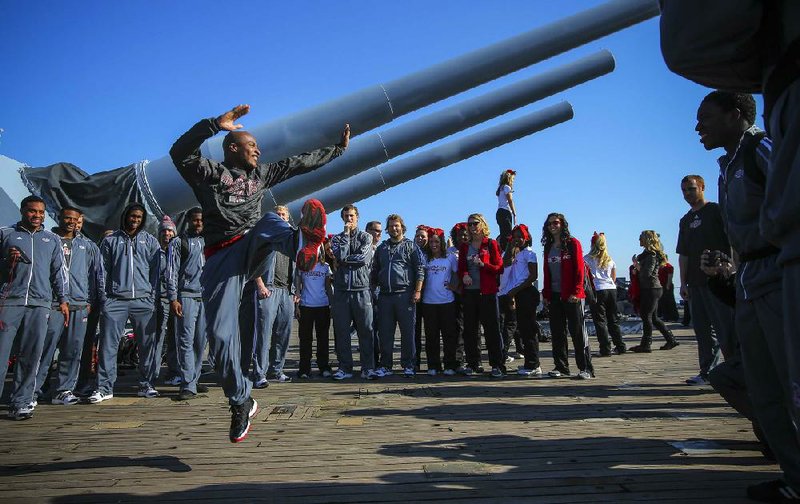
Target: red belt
[210, 250]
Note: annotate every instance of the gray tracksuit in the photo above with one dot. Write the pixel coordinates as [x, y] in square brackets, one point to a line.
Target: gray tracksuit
[231, 200]
[759, 314]
[132, 269]
[86, 277]
[396, 268]
[186, 262]
[27, 291]
[352, 300]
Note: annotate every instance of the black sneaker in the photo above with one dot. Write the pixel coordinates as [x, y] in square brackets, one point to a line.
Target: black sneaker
[240, 419]
[773, 491]
[669, 345]
[186, 395]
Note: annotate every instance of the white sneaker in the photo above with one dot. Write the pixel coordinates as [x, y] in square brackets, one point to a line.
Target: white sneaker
[554, 374]
[536, 372]
[509, 359]
[23, 413]
[449, 372]
[98, 397]
[432, 372]
[282, 378]
[261, 383]
[409, 372]
[148, 392]
[523, 371]
[65, 397]
[584, 375]
[341, 375]
[697, 380]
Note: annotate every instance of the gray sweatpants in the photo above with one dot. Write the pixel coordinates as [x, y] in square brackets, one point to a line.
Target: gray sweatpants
[25, 325]
[356, 307]
[764, 352]
[190, 341]
[274, 317]
[224, 276]
[397, 309]
[115, 313]
[712, 321]
[69, 341]
[165, 329]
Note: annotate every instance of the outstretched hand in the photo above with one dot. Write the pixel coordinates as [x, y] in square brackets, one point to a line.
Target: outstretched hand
[345, 137]
[227, 121]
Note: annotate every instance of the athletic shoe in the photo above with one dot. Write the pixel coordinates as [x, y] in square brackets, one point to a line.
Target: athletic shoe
[773, 491]
[148, 392]
[281, 378]
[303, 376]
[23, 413]
[432, 372]
[449, 372]
[523, 371]
[240, 419]
[341, 375]
[556, 374]
[669, 345]
[98, 397]
[520, 356]
[368, 374]
[202, 389]
[409, 372]
[327, 373]
[33, 404]
[261, 383]
[386, 371]
[186, 395]
[641, 349]
[698, 380]
[65, 397]
[466, 371]
[174, 381]
[496, 373]
[479, 370]
[509, 359]
[620, 350]
[583, 375]
[536, 372]
[312, 226]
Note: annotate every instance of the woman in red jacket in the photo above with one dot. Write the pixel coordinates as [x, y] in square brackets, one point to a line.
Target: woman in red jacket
[479, 264]
[564, 294]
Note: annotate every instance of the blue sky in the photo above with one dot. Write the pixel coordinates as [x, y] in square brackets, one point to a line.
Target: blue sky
[104, 84]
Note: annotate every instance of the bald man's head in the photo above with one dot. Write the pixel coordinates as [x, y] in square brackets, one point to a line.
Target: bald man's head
[241, 149]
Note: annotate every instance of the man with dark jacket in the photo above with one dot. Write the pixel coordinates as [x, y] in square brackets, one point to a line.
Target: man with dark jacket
[131, 261]
[398, 271]
[84, 271]
[31, 276]
[238, 238]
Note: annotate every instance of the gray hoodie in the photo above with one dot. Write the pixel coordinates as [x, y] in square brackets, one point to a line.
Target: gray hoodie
[397, 266]
[186, 261]
[85, 274]
[40, 277]
[353, 254]
[131, 262]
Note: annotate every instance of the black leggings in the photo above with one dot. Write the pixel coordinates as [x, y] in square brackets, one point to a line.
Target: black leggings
[505, 222]
[482, 309]
[648, 305]
[312, 318]
[563, 314]
[440, 319]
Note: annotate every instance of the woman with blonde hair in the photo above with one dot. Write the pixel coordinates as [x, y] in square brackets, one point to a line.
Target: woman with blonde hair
[650, 291]
[604, 309]
[506, 212]
[479, 263]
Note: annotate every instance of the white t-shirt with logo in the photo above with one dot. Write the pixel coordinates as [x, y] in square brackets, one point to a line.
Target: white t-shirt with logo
[313, 294]
[601, 276]
[502, 201]
[437, 277]
[519, 267]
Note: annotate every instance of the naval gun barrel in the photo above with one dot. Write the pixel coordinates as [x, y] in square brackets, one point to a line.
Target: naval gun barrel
[372, 149]
[381, 178]
[369, 108]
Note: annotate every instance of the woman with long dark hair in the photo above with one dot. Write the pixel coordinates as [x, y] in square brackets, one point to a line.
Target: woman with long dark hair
[647, 264]
[506, 213]
[479, 263]
[438, 304]
[563, 293]
[523, 270]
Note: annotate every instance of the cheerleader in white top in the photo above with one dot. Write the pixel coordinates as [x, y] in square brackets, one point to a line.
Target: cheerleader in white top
[506, 213]
[438, 304]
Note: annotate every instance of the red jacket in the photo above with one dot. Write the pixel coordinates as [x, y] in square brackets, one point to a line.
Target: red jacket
[571, 273]
[489, 253]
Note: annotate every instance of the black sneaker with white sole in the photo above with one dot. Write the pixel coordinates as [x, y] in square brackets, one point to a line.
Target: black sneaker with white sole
[240, 419]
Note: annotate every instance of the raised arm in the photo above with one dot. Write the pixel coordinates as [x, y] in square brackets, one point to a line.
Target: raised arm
[306, 162]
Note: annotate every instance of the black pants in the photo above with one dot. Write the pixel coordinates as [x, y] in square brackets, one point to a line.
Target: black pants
[86, 374]
[648, 304]
[505, 222]
[606, 320]
[482, 309]
[459, 328]
[564, 314]
[508, 324]
[526, 302]
[418, 337]
[314, 319]
[440, 321]
[667, 307]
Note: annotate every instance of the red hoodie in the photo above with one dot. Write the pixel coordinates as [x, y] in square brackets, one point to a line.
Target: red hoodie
[489, 253]
[571, 273]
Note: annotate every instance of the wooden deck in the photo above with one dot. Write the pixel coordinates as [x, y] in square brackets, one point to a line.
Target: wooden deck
[636, 433]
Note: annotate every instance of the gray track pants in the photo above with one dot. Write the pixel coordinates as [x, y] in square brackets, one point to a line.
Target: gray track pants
[356, 307]
[25, 325]
[397, 309]
[190, 341]
[712, 321]
[69, 341]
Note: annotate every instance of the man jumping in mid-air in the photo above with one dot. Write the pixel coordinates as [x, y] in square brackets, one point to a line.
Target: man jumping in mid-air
[238, 238]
